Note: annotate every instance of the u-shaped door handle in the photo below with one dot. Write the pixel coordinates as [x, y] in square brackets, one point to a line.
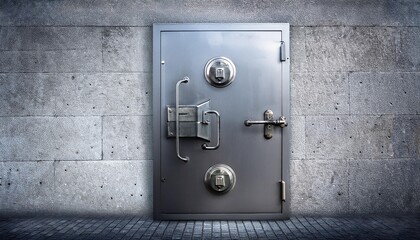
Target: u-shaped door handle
[205, 146]
[184, 80]
[203, 121]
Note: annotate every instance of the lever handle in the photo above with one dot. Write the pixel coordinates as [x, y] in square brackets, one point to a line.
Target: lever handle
[204, 146]
[281, 122]
[269, 123]
[184, 80]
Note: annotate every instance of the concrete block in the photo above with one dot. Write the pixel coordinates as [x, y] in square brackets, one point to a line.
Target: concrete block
[141, 13]
[319, 187]
[362, 137]
[104, 187]
[328, 137]
[26, 187]
[351, 49]
[342, 137]
[50, 49]
[49, 38]
[384, 93]
[297, 142]
[50, 138]
[405, 137]
[384, 186]
[372, 49]
[408, 51]
[127, 137]
[298, 60]
[51, 61]
[27, 94]
[103, 94]
[385, 136]
[23, 94]
[319, 93]
[127, 49]
[371, 136]
[326, 48]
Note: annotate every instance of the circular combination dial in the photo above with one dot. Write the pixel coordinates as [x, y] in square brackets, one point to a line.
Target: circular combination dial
[220, 71]
[220, 178]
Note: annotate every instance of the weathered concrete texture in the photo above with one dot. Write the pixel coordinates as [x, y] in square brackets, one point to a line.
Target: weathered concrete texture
[372, 137]
[351, 49]
[141, 13]
[50, 61]
[103, 187]
[319, 187]
[24, 94]
[127, 137]
[55, 49]
[50, 138]
[328, 137]
[406, 136]
[324, 49]
[127, 49]
[298, 60]
[408, 51]
[103, 94]
[26, 186]
[49, 38]
[384, 186]
[297, 142]
[342, 137]
[384, 93]
[319, 93]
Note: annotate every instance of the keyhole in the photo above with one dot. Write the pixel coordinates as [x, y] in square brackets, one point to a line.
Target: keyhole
[220, 74]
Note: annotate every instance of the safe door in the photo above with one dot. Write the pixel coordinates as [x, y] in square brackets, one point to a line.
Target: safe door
[220, 117]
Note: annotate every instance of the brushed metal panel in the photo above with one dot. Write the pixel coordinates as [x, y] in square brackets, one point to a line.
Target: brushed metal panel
[261, 83]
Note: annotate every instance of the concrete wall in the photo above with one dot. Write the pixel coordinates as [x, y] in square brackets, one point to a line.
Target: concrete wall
[75, 102]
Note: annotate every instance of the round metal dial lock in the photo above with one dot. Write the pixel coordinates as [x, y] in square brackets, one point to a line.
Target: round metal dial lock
[220, 71]
[220, 178]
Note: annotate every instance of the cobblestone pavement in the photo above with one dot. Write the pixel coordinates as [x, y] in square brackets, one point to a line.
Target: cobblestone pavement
[301, 227]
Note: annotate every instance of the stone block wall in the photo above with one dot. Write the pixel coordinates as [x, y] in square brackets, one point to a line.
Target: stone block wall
[75, 102]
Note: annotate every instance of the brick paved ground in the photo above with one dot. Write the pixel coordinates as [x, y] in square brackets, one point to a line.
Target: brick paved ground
[372, 227]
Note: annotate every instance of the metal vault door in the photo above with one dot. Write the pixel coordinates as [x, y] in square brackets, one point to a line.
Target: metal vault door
[221, 108]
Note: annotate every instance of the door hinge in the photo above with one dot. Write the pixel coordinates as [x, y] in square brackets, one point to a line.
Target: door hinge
[283, 191]
[282, 52]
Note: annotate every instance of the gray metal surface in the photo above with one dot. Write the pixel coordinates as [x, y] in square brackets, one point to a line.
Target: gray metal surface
[261, 82]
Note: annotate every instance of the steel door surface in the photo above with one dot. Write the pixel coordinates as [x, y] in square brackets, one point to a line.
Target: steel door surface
[260, 81]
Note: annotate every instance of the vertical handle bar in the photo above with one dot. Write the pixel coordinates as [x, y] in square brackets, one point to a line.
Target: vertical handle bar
[184, 80]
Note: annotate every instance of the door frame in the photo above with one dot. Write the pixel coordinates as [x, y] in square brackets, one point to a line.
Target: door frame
[157, 118]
